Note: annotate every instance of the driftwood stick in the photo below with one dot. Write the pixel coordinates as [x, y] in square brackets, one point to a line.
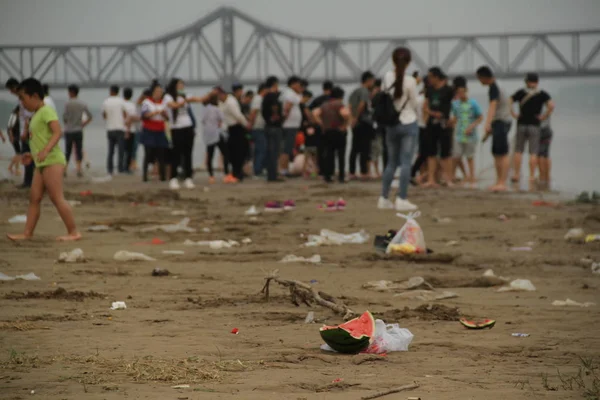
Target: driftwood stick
[391, 391]
[305, 293]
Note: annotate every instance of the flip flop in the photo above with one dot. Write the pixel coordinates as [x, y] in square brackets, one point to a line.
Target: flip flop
[482, 324]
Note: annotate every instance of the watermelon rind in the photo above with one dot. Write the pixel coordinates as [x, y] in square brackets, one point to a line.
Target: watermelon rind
[342, 342]
[344, 339]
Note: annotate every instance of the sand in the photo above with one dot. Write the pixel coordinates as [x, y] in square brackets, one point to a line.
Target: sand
[59, 337]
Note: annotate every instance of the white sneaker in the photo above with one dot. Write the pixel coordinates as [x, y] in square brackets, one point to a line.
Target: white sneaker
[385, 204]
[174, 184]
[189, 184]
[405, 205]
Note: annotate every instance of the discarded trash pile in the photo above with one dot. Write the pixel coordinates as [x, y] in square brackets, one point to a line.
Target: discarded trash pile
[365, 335]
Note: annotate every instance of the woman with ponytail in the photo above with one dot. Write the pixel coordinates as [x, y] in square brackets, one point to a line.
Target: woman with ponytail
[402, 135]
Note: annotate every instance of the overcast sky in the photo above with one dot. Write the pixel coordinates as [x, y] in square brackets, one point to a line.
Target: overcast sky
[71, 21]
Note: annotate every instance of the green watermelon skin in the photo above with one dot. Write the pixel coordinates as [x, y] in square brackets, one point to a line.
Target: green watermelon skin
[352, 337]
[342, 342]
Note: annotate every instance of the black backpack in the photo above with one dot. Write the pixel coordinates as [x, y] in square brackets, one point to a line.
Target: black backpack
[384, 110]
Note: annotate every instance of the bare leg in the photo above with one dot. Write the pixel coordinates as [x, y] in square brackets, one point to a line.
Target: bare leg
[431, 172]
[471, 174]
[502, 164]
[53, 182]
[544, 167]
[533, 164]
[33, 212]
[518, 159]
[461, 166]
[447, 171]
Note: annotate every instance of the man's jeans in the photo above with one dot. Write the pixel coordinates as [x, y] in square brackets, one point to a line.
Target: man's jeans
[274, 135]
[116, 138]
[260, 150]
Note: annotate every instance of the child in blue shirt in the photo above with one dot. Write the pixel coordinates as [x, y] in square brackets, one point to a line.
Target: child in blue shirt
[466, 115]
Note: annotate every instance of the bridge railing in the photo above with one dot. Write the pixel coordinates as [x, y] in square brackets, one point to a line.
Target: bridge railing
[227, 45]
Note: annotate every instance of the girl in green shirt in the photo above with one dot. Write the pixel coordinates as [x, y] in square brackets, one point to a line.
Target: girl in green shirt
[45, 132]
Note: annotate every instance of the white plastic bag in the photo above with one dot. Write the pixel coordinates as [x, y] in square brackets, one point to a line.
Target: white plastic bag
[411, 233]
[388, 338]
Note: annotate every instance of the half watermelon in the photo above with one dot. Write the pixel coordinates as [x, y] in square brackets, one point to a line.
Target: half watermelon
[351, 337]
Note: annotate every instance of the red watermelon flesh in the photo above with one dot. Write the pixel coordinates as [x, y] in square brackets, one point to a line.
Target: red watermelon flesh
[358, 328]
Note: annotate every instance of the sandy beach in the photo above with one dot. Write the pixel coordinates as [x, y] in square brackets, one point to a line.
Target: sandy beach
[59, 339]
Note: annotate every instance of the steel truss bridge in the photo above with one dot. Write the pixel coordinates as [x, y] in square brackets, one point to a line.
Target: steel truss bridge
[228, 45]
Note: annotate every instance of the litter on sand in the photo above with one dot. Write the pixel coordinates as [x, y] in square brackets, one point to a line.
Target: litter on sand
[73, 256]
[123, 255]
[315, 259]
[327, 238]
[518, 285]
[18, 219]
[409, 239]
[490, 274]
[573, 303]
[27, 277]
[592, 238]
[213, 244]
[413, 283]
[181, 226]
[575, 235]
[310, 317]
[118, 305]
[98, 228]
[426, 295]
[174, 252]
[251, 211]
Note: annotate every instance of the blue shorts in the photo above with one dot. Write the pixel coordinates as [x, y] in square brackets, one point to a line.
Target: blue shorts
[500, 130]
[154, 139]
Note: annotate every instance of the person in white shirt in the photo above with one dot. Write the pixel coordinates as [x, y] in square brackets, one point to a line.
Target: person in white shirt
[47, 99]
[236, 124]
[182, 130]
[402, 136]
[257, 125]
[292, 113]
[212, 124]
[114, 113]
[131, 130]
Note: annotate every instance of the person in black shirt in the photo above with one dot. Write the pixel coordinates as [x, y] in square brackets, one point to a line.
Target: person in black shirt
[531, 102]
[438, 102]
[272, 112]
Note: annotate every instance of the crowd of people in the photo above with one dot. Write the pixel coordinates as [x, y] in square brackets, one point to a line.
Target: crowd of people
[279, 132]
